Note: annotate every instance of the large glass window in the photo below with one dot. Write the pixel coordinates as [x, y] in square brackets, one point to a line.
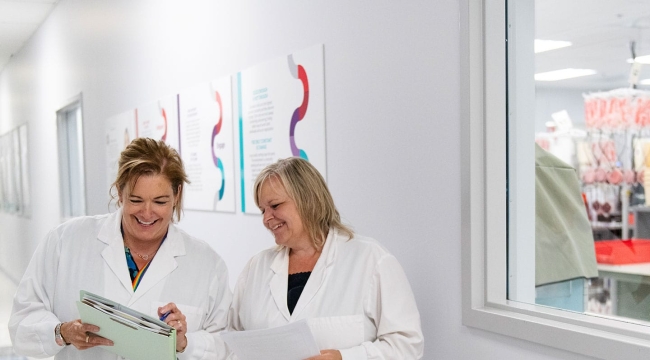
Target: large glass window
[532, 267]
[578, 136]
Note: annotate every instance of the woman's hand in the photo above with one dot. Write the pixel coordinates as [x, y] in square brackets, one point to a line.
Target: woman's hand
[327, 355]
[82, 335]
[171, 315]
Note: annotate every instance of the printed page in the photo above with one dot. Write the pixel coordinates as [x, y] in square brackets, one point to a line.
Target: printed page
[289, 342]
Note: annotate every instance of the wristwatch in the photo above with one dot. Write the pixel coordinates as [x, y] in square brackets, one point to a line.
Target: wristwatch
[57, 335]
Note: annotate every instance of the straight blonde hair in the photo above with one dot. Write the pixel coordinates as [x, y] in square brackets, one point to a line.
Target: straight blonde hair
[307, 188]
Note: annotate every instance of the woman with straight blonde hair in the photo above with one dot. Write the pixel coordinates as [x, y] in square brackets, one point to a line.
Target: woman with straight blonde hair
[351, 290]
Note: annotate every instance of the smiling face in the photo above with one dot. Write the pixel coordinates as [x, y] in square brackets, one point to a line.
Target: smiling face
[280, 215]
[147, 210]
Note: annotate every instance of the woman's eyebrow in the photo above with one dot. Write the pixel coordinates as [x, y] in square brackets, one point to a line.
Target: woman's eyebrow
[157, 197]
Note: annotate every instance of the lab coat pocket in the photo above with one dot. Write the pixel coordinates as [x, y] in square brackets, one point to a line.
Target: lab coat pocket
[193, 315]
[337, 332]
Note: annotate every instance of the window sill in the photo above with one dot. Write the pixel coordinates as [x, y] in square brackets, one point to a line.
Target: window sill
[588, 335]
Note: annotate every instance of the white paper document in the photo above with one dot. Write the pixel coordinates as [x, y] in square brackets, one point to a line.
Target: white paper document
[289, 342]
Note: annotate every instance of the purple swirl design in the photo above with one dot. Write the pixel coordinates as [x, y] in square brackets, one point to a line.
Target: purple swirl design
[298, 72]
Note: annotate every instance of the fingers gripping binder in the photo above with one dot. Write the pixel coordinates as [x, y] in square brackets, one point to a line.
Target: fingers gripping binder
[135, 335]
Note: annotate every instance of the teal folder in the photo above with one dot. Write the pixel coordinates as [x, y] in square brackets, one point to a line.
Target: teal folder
[136, 336]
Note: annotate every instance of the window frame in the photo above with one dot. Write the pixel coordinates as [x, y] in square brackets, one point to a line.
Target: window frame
[483, 237]
[71, 204]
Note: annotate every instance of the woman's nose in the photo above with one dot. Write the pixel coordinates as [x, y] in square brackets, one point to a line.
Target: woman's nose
[147, 208]
[267, 216]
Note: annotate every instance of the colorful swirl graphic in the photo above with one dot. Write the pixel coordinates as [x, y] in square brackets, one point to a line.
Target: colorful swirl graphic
[164, 115]
[298, 72]
[215, 159]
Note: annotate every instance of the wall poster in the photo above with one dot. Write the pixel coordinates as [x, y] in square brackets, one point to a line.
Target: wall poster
[207, 146]
[6, 201]
[281, 114]
[14, 183]
[24, 171]
[120, 130]
[159, 120]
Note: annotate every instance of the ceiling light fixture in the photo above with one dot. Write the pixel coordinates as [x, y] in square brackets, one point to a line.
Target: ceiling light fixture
[645, 82]
[548, 45]
[563, 74]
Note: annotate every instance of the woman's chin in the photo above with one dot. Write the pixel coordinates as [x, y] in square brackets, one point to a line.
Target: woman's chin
[280, 241]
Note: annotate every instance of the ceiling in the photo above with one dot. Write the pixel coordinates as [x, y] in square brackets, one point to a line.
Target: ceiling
[601, 32]
[19, 19]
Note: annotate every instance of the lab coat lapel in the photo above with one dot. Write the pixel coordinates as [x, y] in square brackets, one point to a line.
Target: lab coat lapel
[318, 275]
[163, 263]
[113, 254]
[280, 281]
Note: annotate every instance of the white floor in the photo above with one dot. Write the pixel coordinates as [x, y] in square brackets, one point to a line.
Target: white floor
[7, 291]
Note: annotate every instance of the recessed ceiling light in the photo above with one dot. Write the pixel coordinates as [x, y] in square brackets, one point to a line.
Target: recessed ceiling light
[645, 59]
[547, 45]
[563, 74]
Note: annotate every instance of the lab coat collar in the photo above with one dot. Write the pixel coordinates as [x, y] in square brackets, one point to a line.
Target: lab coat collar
[163, 263]
[280, 281]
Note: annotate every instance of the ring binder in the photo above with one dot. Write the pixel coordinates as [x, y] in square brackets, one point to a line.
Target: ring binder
[135, 335]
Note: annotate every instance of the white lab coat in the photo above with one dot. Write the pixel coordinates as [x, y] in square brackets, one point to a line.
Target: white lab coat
[87, 253]
[357, 299]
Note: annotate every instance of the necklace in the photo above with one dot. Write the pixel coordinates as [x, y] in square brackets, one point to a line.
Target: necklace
[144, 257]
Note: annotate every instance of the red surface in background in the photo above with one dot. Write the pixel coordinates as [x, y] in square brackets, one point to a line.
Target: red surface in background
[618, 252]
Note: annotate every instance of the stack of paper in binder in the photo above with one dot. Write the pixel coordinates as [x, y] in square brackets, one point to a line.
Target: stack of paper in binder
[135, 335]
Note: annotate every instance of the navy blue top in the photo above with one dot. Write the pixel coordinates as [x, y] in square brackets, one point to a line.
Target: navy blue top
[297, 283]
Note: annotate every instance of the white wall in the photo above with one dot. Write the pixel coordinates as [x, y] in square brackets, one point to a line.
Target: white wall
[393, 124]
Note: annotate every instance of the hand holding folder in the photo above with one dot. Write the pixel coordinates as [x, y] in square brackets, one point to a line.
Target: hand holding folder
[135, 335]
